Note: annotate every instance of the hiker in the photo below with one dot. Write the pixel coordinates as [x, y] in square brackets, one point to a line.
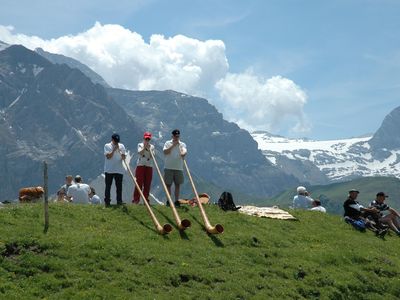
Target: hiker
[302, 200]
[62, 192]
[354, 211]
[174, 151]
[317, 206]
[144, 168]
[388, 215]
[93, 198]
[78, 193]
[114, 153]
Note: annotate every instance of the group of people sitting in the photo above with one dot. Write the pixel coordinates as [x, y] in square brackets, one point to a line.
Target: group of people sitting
[303, 200]
[378, 217]
[74, 190]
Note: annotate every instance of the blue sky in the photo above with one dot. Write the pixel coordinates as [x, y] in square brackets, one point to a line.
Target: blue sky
[344, 55]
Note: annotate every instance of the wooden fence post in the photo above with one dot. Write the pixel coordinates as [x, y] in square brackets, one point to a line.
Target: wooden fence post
[46, 198]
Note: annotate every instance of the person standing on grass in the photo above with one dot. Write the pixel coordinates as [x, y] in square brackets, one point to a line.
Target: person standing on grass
[144, 168]
[388, 215]
[174, 151]
[114, 153]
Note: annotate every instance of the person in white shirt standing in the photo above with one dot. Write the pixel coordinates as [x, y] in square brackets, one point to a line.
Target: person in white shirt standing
[174, 151]
[114, 153]
[78, 193]
[144, 168]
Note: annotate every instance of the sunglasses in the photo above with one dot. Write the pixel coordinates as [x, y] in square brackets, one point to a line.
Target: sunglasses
[147, 139]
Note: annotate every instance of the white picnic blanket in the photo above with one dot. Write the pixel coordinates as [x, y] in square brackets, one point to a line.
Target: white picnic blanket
[266, 212]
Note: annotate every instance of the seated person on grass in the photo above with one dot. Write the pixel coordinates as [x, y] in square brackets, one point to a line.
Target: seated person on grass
[354, 211]
[302, 200]
[388, 215]
[317, 206]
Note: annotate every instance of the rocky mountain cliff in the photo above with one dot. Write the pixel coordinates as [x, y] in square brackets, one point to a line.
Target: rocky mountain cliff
[388, 135]
[55, 113]
[72, 63]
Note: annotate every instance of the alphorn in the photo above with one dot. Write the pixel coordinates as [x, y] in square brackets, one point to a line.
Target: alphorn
[218, 228]
[182, 225]
[160, 229]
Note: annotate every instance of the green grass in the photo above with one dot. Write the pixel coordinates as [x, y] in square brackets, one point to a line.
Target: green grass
[333, 195]
[95, 253]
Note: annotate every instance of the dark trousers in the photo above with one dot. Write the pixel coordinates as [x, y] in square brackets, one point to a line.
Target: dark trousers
[118, 184]
[143, 176]
[374, 217]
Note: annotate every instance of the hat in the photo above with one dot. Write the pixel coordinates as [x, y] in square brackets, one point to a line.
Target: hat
[301, 190]
[354, 190]
[147, 135]
[115, 137]
[175, 132]
[382, 194]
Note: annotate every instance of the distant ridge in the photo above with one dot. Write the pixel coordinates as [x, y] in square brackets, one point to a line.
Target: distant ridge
[73, 63]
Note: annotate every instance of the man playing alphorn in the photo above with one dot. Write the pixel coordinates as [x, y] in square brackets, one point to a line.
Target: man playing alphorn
[174, 151]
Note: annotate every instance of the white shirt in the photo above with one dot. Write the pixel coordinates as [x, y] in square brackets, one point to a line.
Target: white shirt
[79, 193]
[319, 208]
[173, 160]
[95, 200]
[145, 158]
[301, 201]
[357, 206]
[114, 164]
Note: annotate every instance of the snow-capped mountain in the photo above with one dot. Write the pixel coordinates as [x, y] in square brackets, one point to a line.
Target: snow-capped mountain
[335, 160]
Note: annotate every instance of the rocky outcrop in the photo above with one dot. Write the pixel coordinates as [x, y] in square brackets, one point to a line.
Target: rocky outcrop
[54, 113]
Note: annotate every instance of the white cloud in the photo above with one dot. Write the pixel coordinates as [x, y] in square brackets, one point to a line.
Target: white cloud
[125, 60]
[264, 104]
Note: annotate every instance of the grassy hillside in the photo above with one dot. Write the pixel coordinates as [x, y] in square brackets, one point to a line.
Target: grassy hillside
[333, 195]
[95, 253]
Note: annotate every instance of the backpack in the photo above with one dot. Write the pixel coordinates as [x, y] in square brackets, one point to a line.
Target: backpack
[357, 224]
[225, 202]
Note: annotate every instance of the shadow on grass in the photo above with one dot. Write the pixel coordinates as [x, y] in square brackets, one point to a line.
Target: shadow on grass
[125, 210]
[217, 242]
[182, 233]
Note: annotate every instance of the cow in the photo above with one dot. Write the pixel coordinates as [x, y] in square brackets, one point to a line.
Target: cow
[30, 194]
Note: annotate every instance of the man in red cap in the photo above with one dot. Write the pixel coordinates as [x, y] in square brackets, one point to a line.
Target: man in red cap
[144, 168]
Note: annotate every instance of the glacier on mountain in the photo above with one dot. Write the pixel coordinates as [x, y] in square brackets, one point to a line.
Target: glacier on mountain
[336, 159]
